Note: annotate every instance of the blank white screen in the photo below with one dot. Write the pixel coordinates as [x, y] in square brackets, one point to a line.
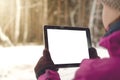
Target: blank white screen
[67, 46]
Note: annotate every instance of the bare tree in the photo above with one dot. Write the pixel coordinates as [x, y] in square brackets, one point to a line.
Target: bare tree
[59, 12]
[5, 39]
[66, 15]
[95, 22]
[92, 14]
[72, 15]
[26, 10]
[17, 23]
[45, 11]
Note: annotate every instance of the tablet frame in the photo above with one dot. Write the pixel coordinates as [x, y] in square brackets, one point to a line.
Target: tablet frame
[66, 28]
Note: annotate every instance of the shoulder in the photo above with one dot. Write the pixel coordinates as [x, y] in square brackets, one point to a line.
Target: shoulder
[97, 68]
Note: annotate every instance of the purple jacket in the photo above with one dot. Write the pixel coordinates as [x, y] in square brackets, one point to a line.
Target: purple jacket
[97, 69]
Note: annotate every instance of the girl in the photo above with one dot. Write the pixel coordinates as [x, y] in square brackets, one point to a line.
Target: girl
[93, 69]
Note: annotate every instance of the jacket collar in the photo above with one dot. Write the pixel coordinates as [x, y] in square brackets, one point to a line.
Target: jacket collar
[113, 27]
[111, 40]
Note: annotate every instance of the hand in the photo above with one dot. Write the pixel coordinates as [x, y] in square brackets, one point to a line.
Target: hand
[45, 62]
[93, 53]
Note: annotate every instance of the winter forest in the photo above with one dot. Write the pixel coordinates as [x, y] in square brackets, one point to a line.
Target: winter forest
[22, 21]
[21, 32]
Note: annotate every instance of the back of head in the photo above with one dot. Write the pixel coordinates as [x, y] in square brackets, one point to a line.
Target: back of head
[115, 4]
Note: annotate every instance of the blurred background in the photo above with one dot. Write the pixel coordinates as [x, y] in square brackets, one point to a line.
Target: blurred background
[21, 30]
[22, 21]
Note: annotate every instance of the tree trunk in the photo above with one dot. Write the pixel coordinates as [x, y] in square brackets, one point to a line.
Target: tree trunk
[45, 11]
[26, 10]
[17, 23]
[5, 39]
[59, 12]
[91, 20]
[66, 12]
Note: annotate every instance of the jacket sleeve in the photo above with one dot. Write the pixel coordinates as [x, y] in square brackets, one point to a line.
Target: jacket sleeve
[49, 75]
[99, 69]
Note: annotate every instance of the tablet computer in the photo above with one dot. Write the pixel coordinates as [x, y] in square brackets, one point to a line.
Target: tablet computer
[68, 46]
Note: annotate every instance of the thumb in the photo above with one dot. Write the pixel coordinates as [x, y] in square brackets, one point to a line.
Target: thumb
[93, 53]
[46, 54]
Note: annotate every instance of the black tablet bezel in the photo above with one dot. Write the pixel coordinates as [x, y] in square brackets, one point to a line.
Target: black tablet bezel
[66, 28]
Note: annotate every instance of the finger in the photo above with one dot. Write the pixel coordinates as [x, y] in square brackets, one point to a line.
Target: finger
[46, 54]
[93, 52]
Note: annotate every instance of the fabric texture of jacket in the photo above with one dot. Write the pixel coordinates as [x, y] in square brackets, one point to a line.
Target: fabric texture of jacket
[98, 69]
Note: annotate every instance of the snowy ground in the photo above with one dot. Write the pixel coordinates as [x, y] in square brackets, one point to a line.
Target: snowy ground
[17, 63]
